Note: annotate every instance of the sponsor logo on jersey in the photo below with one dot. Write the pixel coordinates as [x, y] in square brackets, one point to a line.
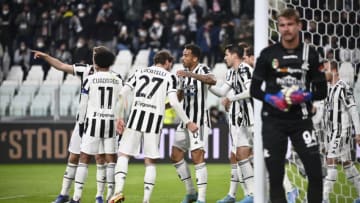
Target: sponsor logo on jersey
[275, 63]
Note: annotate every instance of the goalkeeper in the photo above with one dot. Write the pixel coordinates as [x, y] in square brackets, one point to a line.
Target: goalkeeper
[288, 69]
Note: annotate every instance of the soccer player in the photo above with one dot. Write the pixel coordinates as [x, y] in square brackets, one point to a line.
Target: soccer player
[341, 114]
[81, 71]
[288, 69]
[99, 94]
[143, 128]
[241, 120]
[195, 81]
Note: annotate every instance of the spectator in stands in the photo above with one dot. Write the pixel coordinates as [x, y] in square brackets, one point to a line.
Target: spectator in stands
[105, 26]
[7, 28]
[177, 38]
[156, 32]
[193, 15]
[40, 45]
[25, 24]
[81, 53]
[63, 54]
[86, 20]
[124, 39]
[22, 58]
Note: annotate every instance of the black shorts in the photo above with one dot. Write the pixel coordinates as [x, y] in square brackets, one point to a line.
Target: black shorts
[276, 132]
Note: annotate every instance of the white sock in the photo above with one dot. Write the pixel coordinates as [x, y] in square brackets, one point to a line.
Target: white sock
[353, 176]
[246, 170]
[100, 179]
[121, 170]
[287, 184]
[80, 177]
[149, 181]
[183, 171]
[110, 179]
[69, 176]
[201, 179]
[329, 181]
[234, 181]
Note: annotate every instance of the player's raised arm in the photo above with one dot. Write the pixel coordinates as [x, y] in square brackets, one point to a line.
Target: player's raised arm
[56, 63]
[207, 78]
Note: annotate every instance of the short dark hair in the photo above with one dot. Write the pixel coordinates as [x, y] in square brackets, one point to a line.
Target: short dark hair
[239, 50]
[103, 57]
[195, 50]
[290, 13]
[249, 51]
[163, 56]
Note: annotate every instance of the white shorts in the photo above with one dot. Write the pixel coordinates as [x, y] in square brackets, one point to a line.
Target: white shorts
[186, 140]
[339, 146]
[132, 140]
[241, 136]
[96, 145]
[75, 140]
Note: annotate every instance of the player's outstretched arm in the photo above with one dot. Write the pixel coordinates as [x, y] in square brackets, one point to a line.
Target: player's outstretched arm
[56, 63]
[207, 79]
[220, 91]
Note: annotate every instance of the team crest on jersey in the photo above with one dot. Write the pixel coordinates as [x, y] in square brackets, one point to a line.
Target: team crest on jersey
[275, 63]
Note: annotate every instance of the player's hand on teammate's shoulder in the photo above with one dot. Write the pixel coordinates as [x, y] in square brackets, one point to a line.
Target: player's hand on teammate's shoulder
[192, 127]
[182, 73]
[120, 126]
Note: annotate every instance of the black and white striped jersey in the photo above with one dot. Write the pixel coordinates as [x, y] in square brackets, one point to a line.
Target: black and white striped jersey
[151, 86]
[235, 117]
[339, 100]
[103, 90]
[195, 97]
[247, 105]
[83, 71]
[239, 80]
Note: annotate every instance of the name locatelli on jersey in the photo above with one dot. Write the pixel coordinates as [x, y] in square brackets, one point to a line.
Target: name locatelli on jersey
[152, 71]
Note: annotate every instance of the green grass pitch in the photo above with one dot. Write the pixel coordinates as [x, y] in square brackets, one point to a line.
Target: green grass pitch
[32, 183]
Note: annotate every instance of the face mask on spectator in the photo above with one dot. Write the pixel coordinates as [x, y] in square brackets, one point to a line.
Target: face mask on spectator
[79, 44]
[163, 8]
[22, 48]
[40, 44]
[174, 29]
[81, 13]
[142, 33]
[156, 24]
[5, 12]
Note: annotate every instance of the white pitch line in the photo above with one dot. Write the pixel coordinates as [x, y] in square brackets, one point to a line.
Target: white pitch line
[12, 197]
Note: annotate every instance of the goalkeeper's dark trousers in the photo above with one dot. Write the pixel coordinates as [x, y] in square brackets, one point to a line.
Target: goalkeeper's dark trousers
[275, 134]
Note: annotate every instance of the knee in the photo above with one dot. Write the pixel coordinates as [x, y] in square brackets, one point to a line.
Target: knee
[197, 156]
[100, 159]
[73, 158]
[176, 155]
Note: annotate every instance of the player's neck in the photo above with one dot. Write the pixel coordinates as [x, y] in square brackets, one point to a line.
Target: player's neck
[287, 44]
[236, 65]
[192, 67]
[102, 69]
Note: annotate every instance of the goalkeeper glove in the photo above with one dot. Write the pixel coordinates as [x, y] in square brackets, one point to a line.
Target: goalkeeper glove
[277, 101]
[81, 129]
[294, 95]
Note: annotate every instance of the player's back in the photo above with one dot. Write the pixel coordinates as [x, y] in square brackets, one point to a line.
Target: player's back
[151, 86]
[104, 90]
